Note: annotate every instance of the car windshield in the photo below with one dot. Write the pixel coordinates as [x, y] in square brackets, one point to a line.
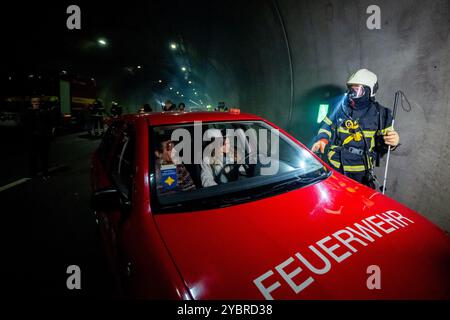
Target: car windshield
[208, 165]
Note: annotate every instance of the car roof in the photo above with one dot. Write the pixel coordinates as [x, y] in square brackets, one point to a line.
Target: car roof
[179, 117]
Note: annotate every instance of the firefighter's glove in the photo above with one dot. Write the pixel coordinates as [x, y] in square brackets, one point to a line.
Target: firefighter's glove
[319, 145]
[391, 138]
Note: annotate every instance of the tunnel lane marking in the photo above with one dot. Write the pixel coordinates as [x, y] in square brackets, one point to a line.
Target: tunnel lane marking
[23, 180]
[13, 184]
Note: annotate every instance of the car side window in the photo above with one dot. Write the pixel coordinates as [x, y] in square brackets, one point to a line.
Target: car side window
[123, 162]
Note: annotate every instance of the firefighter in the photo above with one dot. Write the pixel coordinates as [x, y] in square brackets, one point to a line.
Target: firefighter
[356, 132]
[116, 109]
[169, 106]
[97, 113]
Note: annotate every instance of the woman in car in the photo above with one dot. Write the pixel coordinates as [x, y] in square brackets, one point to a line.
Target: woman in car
[223, 166]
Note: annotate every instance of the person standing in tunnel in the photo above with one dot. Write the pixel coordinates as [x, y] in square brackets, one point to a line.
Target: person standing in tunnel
[39, 128]
[97, 115]
[221, 107]
[147, 108]
[116, 109]
[169, 106]
[357, 131]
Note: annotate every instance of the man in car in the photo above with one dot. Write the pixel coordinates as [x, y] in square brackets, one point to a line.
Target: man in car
[171, 176]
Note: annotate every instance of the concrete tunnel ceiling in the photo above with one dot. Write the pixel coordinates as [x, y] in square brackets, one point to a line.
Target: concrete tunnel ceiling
[280, 59]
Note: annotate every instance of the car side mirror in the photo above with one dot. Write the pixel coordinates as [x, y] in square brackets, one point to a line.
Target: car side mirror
[105, 200]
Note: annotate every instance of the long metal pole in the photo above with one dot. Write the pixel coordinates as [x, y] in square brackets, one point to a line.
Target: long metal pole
[389, 148]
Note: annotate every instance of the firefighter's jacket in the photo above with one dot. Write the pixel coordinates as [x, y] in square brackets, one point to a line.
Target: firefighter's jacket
[346, 128]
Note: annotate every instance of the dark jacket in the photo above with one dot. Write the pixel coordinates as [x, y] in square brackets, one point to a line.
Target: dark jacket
[342, 147]
[39, 123]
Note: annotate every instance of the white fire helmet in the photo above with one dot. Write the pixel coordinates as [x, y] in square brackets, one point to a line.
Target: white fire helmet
[366, 78]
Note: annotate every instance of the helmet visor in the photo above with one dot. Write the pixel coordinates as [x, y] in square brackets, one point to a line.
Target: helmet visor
[356, 91]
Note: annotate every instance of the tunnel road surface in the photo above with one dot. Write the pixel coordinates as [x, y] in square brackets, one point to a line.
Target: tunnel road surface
[48, 225]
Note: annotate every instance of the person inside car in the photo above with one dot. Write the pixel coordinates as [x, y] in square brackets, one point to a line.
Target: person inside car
[221, 167]
[171, 176]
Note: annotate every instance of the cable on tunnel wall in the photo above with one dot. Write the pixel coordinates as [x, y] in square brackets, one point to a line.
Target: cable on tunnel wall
[291, 68]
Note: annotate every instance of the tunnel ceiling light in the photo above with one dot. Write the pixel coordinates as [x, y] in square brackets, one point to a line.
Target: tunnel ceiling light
[182, 95]
[190, 82]
[183, 69]
[323, 111]
[160, 81]
[178, 92]
[139, 67]
[173, 46]
[102, 42]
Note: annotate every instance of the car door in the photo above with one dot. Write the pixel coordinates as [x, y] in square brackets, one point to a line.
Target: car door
[120, 168]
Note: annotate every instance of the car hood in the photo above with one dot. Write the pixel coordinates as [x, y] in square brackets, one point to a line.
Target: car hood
[335, 239]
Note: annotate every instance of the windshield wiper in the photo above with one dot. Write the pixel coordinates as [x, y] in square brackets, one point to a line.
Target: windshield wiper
[301, 181]
[233, 200]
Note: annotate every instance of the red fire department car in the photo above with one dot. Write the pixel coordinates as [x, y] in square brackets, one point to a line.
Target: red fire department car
[273, 223]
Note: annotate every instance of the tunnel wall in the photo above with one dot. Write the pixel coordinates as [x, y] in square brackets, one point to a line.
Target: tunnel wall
[246, 62]
[329, 40]
[321, 42]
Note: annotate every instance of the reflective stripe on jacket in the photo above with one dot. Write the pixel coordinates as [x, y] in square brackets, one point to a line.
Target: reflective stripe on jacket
[333, 128]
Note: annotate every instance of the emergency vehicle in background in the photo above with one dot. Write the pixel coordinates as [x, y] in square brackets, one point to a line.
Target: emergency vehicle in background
[70, 95]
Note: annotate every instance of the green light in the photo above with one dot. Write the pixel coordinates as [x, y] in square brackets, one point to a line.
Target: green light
[323, 111]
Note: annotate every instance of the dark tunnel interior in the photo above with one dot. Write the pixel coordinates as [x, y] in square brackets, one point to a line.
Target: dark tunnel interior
[279, 59]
